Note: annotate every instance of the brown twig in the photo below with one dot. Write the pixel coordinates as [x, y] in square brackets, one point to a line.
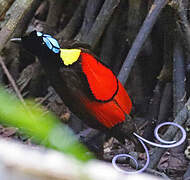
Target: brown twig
[145, 30]
[11, 81]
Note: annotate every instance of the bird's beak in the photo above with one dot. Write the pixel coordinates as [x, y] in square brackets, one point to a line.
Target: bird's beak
[16, 40]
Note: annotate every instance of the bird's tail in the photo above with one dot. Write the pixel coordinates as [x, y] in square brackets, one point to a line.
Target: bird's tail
[137, 139]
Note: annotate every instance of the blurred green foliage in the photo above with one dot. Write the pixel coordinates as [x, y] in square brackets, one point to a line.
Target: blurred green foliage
[44, 128]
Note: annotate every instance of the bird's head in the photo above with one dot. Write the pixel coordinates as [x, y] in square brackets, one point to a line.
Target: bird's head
[41, 45]
[38, 43]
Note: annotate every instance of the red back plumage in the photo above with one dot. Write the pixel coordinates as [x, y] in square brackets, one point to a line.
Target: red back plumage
[102, 81]
[106, 88]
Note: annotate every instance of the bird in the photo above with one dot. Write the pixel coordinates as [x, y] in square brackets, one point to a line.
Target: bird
[86, 85]
[91, 91]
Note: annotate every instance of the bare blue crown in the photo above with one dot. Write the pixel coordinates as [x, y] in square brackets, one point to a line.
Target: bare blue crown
[50, 42]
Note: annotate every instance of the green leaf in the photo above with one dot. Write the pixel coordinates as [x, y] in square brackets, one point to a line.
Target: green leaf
[45, 129]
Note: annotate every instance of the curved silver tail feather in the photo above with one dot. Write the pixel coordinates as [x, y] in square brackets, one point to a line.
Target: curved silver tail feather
[136, 163]
[166, 144]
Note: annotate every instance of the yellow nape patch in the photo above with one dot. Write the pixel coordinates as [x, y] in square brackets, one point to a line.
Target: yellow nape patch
[69, 56]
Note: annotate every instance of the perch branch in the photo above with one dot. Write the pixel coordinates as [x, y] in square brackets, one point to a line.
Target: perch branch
[145, 30]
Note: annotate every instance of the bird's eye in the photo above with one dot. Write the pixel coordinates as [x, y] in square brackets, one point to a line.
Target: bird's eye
[50, 42]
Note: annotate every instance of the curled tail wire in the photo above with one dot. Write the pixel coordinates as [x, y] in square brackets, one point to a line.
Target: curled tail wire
[136, 163]
[166, 144]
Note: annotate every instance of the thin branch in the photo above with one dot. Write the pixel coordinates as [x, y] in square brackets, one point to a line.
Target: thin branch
[11, 81]
[145, 30]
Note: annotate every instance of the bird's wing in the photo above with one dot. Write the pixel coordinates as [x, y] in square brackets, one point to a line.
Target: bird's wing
[108, 114]
[101, 80]
[123, 100]
[106, 88]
